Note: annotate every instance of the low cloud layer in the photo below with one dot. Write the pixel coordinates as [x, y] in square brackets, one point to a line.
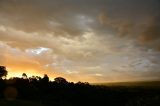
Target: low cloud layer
[101, 40]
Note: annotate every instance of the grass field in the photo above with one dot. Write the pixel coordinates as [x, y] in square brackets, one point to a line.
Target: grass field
[137, 84]
[18, 103]
[110, 94]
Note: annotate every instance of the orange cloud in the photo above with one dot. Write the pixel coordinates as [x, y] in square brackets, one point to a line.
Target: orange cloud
[103, 18]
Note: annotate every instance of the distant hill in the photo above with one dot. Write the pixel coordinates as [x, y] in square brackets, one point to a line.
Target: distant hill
[138, 83]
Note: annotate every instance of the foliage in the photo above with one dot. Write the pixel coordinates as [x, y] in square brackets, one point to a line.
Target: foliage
[60, 92]
[3, 71]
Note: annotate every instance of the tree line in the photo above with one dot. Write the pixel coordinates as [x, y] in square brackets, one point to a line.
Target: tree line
[60, 92]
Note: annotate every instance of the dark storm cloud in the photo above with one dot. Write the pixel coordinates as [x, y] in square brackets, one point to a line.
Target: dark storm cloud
[60, 17]
[96, 30]
[37, 15]
[151, 36]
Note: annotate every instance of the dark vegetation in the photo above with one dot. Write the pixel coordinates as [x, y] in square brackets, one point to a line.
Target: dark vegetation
[43, 92]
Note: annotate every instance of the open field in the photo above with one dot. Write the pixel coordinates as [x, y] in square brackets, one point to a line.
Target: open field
[115, 94]
[132, 84]
[17, 103]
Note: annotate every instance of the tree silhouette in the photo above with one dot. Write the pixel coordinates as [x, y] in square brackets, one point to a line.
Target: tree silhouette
[3, 71]
[45, 79]
[44, 92]
[24, 76]
[60, 80]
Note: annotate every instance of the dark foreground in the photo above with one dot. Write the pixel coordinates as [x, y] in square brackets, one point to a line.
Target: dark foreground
[42, 92]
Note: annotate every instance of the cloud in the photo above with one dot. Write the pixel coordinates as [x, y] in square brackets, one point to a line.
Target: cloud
[103, 18]
[90, 52]
[22, 60]
[150, 37]
[76, 37]
[152, 33]
[58, 17]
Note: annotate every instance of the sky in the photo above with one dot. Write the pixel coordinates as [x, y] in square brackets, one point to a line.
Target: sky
[81, 40]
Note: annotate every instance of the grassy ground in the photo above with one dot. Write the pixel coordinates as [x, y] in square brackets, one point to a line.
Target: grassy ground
[17, 103]
[138, 84]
